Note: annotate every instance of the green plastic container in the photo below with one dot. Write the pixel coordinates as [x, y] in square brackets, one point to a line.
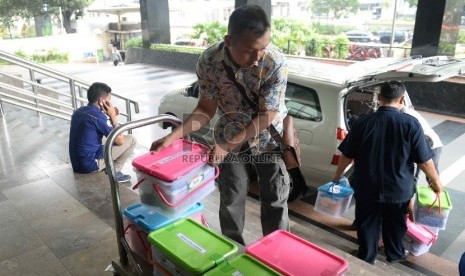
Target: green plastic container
[426, 208]
[426, 197]
[242, 265]
[188, 248]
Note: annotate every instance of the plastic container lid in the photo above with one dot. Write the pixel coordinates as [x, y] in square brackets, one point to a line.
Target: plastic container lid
[420, 233]
[172, 162]
[151, 220]
[426, 196]
[192, 246]
[336, 190]
[242, 265]
[292, 255]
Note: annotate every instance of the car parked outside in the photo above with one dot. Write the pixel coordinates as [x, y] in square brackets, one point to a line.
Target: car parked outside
[361, 36]
[401, 36]
[189, 42]
[324, 100]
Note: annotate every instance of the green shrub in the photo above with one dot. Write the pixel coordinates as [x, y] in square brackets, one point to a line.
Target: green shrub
[211, 32]
[133, 42]
[461, 37]
[20, 53]
[49, 56]
[177, 48]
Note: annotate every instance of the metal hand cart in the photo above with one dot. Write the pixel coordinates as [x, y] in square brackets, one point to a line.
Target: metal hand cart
[127, 263]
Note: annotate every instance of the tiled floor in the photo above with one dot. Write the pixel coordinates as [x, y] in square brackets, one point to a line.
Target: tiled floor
[55, 222]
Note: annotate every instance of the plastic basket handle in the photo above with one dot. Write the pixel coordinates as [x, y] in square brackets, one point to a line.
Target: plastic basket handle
[204, 221]
[138, 184]
[127, 228]
[160, 194]
[438, 199]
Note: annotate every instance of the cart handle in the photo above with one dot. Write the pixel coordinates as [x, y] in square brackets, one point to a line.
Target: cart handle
[110, 168]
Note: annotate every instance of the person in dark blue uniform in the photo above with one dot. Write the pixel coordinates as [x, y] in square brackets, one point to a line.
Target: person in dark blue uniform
[384, 146]
[88, 126]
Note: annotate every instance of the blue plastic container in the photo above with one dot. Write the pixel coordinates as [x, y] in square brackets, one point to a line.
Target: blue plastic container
[334, 199]
[140, 221]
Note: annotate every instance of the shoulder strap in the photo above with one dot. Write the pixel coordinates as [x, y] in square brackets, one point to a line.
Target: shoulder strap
[229, 72]
[231, 77]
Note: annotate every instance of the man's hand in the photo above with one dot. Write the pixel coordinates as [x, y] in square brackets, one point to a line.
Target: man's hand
[109, 109]
[161, 143]
[436, 186]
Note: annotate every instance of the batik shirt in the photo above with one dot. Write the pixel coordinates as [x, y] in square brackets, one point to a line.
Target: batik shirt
[265, 81]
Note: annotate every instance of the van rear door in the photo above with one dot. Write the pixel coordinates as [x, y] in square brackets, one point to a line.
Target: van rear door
[430, 69]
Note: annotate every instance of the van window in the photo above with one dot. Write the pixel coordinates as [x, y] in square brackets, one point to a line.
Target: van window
[359, 102]
[303, 103]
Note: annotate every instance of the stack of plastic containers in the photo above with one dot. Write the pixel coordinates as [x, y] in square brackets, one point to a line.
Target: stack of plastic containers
[171, 184]
[139, 221]
[188, 248]
[175, 178]
[289, 254]
[418, 239]
[334, 199]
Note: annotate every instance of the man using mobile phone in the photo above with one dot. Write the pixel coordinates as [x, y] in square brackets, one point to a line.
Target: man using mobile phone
[89, 125]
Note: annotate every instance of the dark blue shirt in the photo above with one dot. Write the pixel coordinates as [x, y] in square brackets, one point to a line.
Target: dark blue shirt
[385, 145]
[88, 125]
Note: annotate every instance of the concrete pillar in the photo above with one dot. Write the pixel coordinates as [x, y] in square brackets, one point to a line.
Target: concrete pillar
[155, 22]
[265, 4]
[437, 27]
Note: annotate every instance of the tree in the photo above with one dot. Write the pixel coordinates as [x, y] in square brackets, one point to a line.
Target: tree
[7, 15]
[335, 7]
[289, 35]
[38, 9]
[68, 8]
[412, 3]
[210, 32]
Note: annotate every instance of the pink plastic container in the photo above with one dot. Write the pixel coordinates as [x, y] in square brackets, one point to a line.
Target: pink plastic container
[418, 239]
[175, 178]
[173, 162]
[291, 255]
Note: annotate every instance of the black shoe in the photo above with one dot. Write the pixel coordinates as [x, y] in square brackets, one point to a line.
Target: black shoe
[401, 259]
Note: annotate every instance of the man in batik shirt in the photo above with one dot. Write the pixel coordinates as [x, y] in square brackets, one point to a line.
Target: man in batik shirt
[243, 79]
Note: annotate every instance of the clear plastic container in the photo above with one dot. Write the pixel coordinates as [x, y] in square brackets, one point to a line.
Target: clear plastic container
[174, 191]
[431, 210]
[419, 239]
[334, 199]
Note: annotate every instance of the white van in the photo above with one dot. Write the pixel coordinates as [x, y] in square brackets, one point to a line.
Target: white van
[325, 98]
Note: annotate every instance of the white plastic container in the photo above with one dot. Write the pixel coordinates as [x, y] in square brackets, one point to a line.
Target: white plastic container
[334, 199]
[418, 239]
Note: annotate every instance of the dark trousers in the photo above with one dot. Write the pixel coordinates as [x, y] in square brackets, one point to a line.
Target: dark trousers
[370, 216]
[233, 185]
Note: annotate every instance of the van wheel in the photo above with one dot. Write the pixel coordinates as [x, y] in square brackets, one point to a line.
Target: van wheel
[167, 125]
[297, 185]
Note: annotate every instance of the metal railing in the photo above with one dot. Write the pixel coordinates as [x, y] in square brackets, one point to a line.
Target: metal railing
[353, 51]
[31, 94]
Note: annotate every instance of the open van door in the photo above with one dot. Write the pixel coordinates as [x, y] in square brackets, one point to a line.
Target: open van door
[430, 69]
